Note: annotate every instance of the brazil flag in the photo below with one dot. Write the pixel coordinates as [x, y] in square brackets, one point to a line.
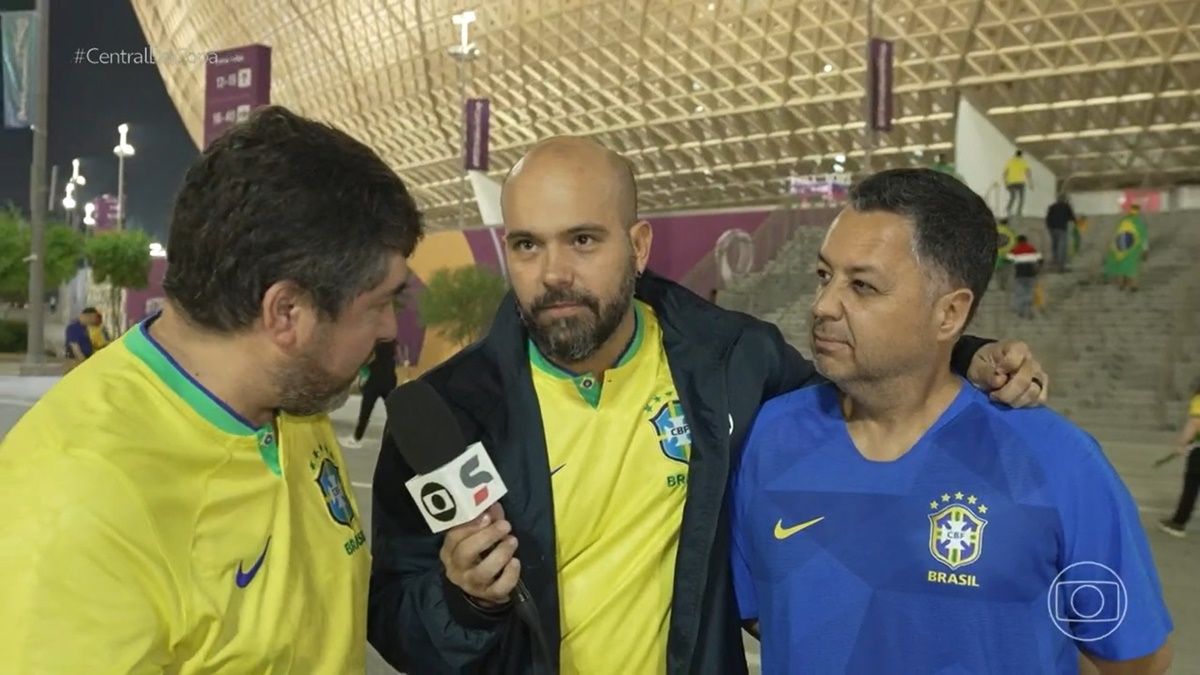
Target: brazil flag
[1125, 248]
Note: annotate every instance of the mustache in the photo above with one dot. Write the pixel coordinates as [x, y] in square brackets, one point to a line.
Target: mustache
[820, 332]
[564, 297]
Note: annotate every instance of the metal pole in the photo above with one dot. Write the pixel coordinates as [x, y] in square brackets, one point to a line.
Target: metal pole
[36, 349]
[120, 192]
[50, 206]
[868, 130]
[462, 90]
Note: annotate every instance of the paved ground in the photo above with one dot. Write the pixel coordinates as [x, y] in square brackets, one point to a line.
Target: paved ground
[1155, 490]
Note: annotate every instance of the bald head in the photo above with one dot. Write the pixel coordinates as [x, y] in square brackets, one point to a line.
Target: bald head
[576, 168]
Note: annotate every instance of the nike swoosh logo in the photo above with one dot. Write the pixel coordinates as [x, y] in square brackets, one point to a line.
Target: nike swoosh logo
[554, 471]
[244, 578]
[782, 532]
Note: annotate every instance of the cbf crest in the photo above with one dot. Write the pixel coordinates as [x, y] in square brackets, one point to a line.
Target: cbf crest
[333, 489]
[956, 529]
[670, 425]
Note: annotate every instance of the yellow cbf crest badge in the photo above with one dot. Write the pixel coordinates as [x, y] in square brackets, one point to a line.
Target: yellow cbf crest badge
[956, 530]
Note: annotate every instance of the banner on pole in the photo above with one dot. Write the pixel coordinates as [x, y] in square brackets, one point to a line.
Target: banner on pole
[236, 81]
[19, 47]
[104, 211]
[477, 121]
[880, 83]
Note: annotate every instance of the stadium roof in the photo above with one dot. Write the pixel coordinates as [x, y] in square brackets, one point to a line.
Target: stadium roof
[717, 102]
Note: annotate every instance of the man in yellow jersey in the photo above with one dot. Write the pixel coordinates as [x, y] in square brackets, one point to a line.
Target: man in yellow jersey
[1017, 178]
[612, 402]
[179, 503]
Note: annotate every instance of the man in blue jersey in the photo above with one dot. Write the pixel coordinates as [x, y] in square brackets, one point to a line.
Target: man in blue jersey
[897, 520]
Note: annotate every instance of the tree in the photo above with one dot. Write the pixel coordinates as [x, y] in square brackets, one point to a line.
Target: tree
[64, 249]
[121, 259]
[459, 303]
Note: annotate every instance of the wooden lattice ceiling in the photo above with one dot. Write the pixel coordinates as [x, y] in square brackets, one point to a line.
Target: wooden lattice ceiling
[717, 102]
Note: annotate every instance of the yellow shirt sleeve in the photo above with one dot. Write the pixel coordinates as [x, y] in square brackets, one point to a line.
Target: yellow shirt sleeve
[1194, 411]
[84, 587]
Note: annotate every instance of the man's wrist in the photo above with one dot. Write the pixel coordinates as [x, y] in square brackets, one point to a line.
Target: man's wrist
[485, 606]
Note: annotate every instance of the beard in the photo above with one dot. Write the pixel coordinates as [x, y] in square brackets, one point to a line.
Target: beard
[306, 388]
[572, 339]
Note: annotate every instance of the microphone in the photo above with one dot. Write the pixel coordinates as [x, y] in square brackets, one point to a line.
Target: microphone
[454, 483]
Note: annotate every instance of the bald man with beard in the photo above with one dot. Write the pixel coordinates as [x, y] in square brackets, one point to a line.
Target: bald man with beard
[613, 402]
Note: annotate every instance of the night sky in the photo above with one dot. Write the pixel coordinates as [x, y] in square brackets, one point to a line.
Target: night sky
[87, 102]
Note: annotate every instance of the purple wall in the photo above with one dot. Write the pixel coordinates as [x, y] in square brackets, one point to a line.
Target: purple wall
[683, 242]
[136, 300]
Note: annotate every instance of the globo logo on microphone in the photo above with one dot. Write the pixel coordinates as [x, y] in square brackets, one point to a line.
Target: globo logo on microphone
[459, 491]
[437, 502]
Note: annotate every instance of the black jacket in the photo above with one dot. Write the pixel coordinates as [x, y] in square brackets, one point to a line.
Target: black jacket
[1059, 215]
[725, 364]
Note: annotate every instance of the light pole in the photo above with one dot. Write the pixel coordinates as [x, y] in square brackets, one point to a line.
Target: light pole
[463, 53]
[69, 200]
[123, 150]
[89, 220]
[35, 354]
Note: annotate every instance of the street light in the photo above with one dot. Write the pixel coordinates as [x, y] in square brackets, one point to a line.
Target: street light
[157, 250]
[88, 219]
[463, 53]
[76, 177]
[123, 150]
[68, 201]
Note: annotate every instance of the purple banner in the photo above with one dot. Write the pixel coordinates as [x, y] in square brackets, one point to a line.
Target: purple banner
[880, 83]
[477, 120]
[104, 212]
[236, 81]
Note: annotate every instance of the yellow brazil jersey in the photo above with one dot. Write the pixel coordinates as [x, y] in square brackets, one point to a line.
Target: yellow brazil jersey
[1194, 411]
[618, 453]
[98, 336]
[1015, 170]
[149, 529]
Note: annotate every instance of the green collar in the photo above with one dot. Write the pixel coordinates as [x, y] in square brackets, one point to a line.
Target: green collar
[587, 384]
[205, 403]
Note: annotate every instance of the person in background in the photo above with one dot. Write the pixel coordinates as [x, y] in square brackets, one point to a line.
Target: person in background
[1189, 446]
[1060, 217]
[896, 520]
[1018, 178]
[79, 343]
[942, 166]
[1127, 249]
[179, 503]
[98, 333]
[1027, 264]
[379, 381]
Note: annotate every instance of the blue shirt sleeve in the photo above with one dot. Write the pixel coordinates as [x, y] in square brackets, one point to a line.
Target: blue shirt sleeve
[78, 334]
[1108, 594]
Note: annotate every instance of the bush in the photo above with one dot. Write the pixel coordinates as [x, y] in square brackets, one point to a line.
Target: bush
[14, 336]
[459, 303]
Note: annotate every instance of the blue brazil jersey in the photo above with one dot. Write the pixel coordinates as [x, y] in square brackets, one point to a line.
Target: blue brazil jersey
[1003, 542]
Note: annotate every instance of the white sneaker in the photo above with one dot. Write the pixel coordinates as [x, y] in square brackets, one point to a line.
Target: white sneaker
[350, 442]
